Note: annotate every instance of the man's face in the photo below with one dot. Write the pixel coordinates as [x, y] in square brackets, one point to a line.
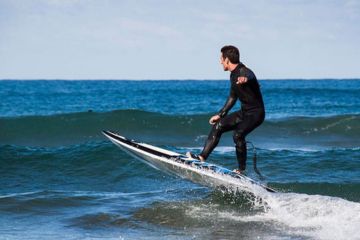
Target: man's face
[224, 63]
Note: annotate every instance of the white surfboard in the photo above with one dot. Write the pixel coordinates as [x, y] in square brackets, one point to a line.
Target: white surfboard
[203, 173]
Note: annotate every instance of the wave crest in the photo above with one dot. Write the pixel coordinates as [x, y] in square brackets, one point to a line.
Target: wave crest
[74, 128]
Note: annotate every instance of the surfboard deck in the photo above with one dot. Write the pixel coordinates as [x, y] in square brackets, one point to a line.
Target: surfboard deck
[203, 173]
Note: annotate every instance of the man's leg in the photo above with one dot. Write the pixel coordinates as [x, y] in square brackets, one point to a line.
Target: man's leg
[246, 125]
[241, 151]
[225, 124]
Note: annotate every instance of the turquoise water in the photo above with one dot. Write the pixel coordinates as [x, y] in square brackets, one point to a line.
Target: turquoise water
[60, 178]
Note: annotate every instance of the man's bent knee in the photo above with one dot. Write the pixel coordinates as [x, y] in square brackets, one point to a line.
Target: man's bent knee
[217, 129]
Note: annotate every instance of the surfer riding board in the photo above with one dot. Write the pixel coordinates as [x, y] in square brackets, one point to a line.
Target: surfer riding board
[245, 87]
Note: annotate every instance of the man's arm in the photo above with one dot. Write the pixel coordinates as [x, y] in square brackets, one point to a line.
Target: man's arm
[241, 80]
[230, 102]
[243, 76]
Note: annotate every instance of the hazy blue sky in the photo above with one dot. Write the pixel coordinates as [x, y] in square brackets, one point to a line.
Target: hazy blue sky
[177, 39]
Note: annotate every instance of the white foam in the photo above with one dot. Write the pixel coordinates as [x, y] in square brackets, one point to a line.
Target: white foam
[315, 216]
[219, 149]
[319, 216]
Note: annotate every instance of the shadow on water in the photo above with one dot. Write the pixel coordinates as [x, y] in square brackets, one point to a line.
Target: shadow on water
[180, 213]
[220, 215]
[99, 220]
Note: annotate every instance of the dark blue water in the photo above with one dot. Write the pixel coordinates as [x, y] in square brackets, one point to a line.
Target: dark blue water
[283, 98]
[60, 178]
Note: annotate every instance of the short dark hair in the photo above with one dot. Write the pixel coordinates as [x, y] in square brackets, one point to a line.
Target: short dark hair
[232, 53]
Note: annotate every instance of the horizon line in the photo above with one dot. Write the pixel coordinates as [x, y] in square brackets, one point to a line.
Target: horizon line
[184, 79]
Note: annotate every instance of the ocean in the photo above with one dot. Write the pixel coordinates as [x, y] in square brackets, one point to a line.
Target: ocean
[60, 178]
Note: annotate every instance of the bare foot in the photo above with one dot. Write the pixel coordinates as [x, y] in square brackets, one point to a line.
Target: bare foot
[192, 155]
[238, 171]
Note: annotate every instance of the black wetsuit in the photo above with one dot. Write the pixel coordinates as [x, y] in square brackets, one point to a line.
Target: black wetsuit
[244, 121]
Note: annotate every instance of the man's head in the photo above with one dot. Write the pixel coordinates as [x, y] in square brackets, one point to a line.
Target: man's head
[230, 57]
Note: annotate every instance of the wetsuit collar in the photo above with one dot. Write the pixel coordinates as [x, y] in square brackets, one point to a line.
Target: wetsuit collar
[238, 67]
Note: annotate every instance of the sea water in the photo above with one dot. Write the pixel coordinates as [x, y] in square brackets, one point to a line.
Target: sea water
[61, 179]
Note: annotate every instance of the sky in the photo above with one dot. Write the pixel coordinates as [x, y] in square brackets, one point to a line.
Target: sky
[178, 39]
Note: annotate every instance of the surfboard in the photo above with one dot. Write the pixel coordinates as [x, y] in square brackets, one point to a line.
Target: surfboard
[203, 173]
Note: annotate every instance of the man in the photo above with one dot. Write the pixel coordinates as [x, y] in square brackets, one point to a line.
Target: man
[245, 87]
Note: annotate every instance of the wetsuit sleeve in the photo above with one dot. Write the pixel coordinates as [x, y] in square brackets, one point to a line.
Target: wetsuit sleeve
[230, 102]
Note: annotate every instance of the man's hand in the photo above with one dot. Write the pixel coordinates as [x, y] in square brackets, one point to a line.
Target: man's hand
[214, 119]
[241, 80]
